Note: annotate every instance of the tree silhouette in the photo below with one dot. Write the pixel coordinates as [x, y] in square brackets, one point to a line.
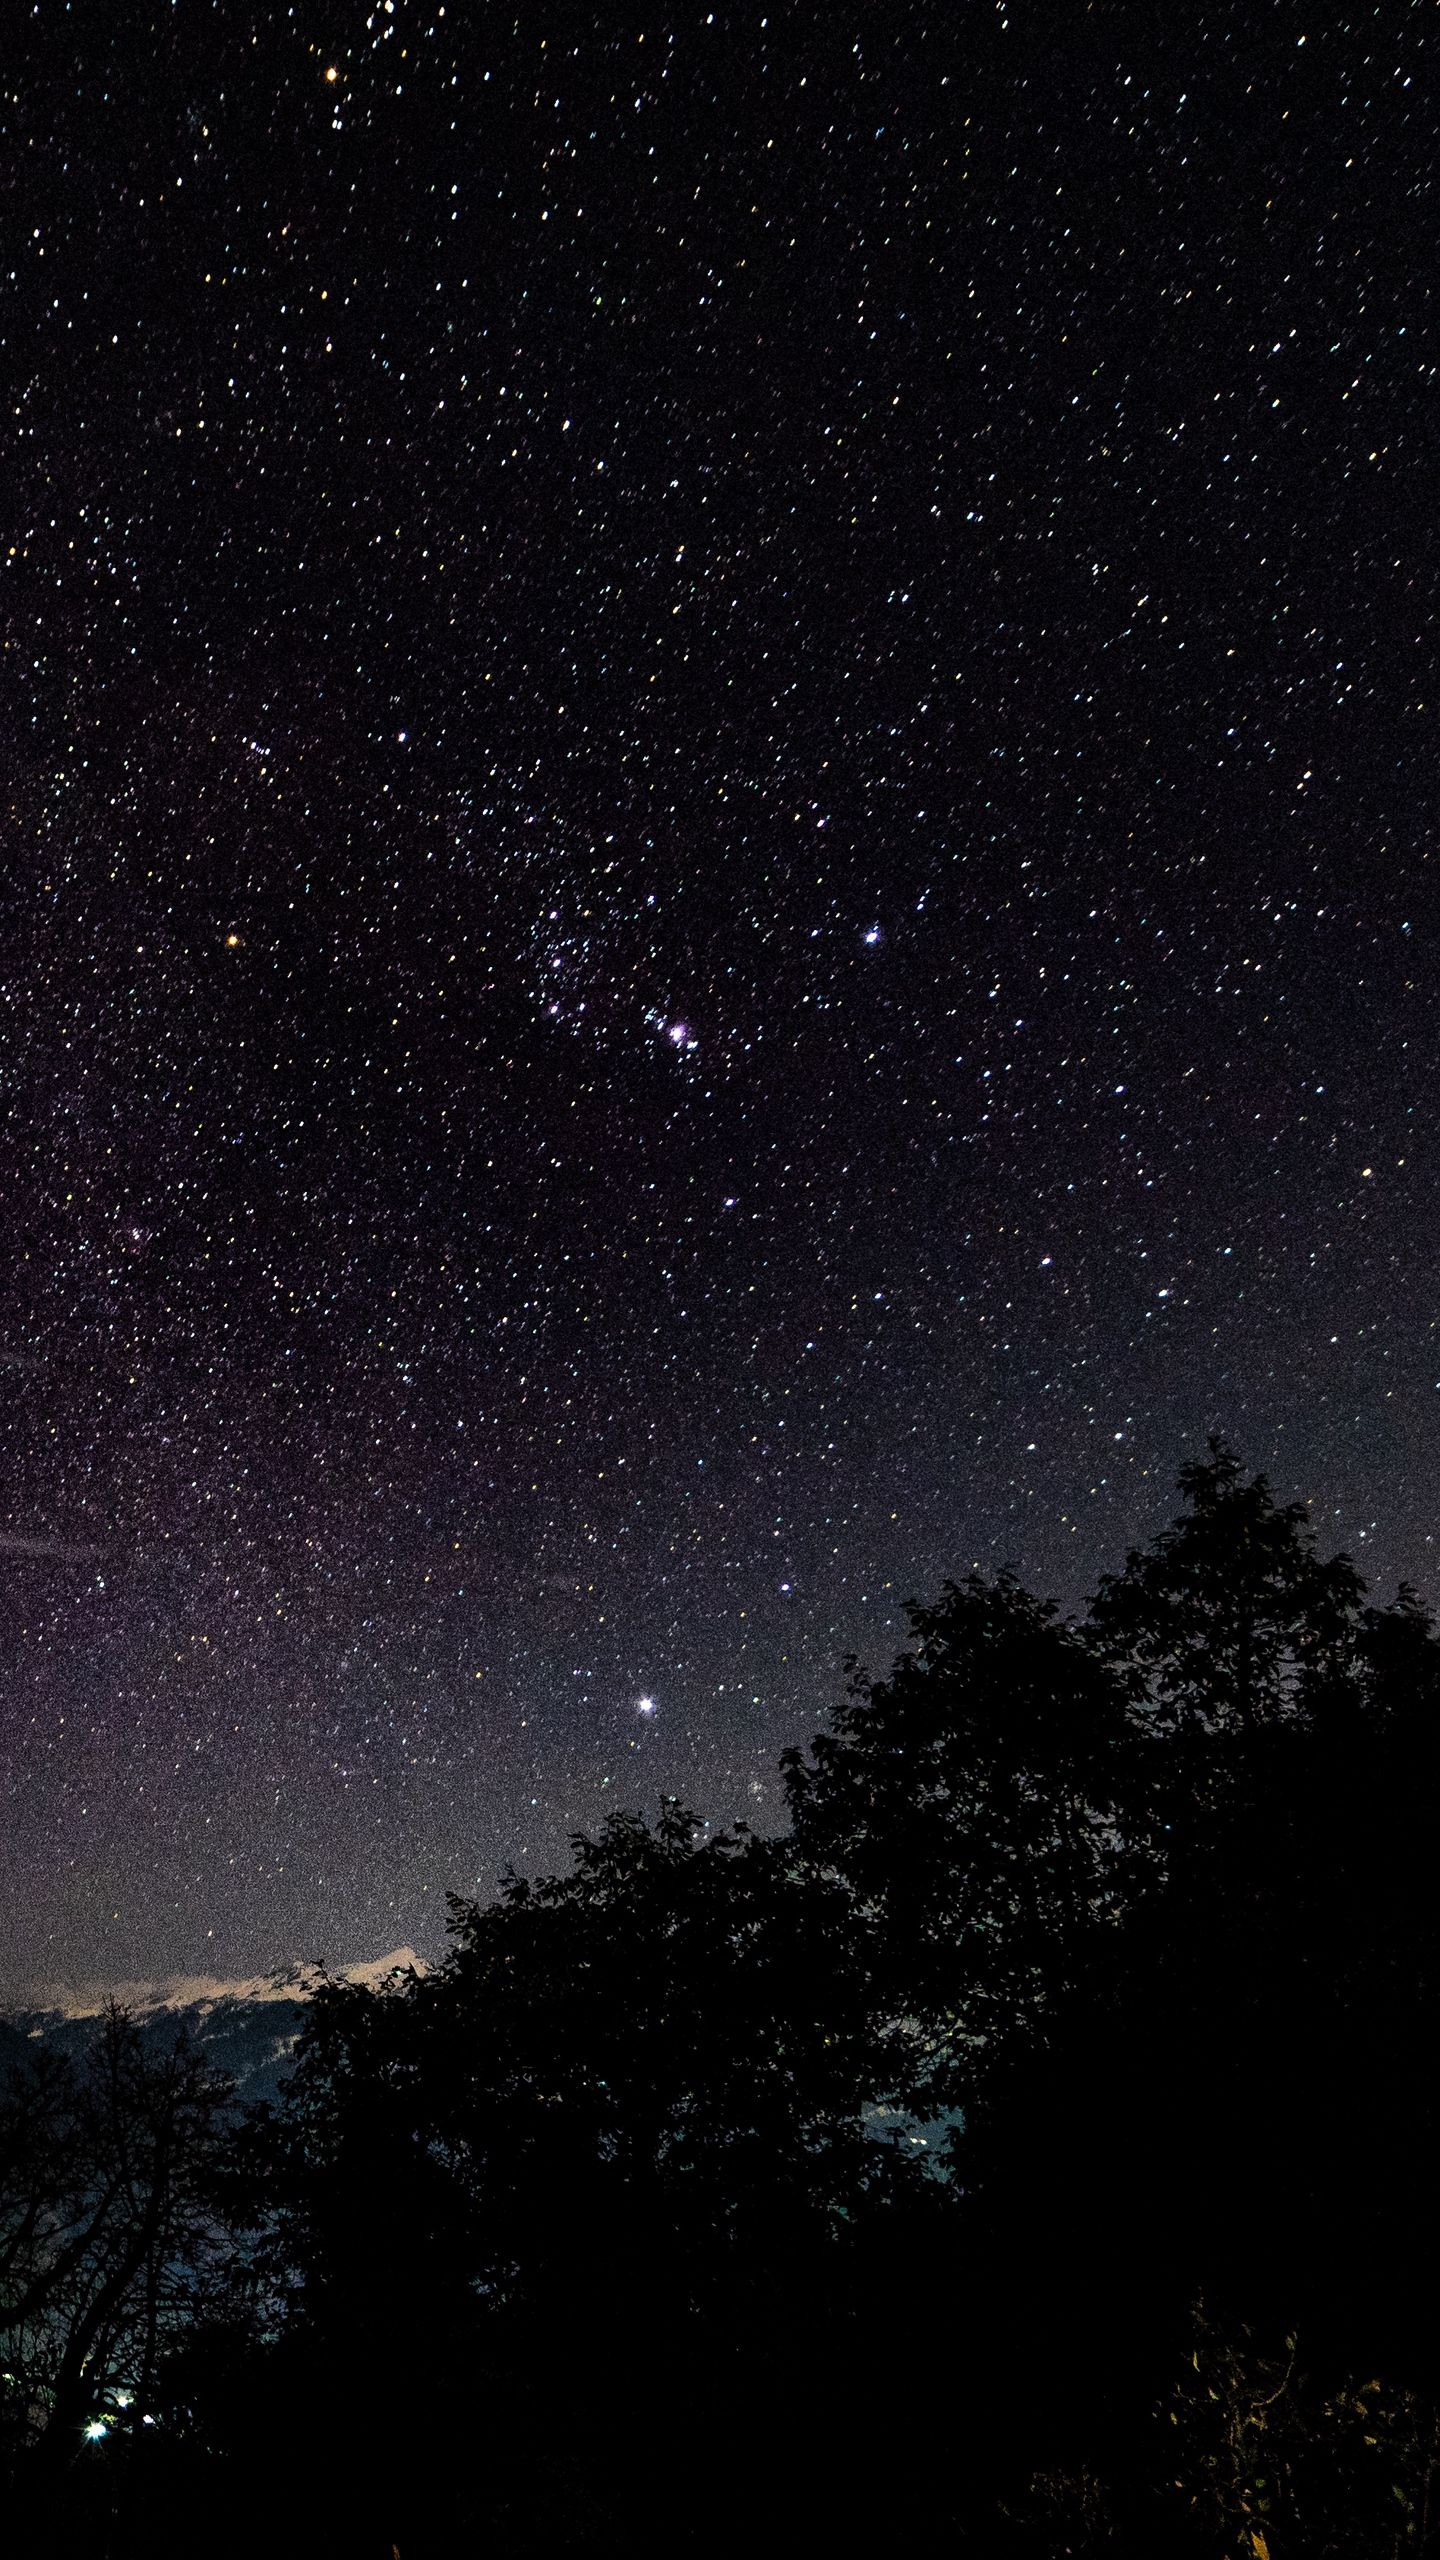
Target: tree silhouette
[107, 2231]
[622, 2140]
[970, 1808]
[882, 2162]
[1230, 1620]
[1250, 2048]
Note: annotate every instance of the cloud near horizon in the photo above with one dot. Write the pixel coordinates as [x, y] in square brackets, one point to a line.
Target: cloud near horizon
[51, 1550]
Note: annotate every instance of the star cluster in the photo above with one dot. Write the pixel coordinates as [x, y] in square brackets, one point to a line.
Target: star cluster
[720, 754]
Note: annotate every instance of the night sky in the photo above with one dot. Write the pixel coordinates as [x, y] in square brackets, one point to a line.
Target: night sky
[719, 766]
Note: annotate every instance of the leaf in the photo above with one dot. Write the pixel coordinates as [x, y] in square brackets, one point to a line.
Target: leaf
[1260, 2545]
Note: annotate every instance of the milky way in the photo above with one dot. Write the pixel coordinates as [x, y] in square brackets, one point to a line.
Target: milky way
[720, 751]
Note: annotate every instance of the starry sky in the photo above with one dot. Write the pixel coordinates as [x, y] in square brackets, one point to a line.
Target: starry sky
[719, 765]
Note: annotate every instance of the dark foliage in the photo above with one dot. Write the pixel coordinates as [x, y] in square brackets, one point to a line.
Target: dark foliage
[1033, 2150]
[108, 2234]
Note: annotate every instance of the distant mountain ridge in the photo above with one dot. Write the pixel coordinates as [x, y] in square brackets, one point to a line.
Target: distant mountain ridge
[246, 2026]
[204, 1990]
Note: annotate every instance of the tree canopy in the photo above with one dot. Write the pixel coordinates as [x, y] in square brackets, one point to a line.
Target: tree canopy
[1032, 2143]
